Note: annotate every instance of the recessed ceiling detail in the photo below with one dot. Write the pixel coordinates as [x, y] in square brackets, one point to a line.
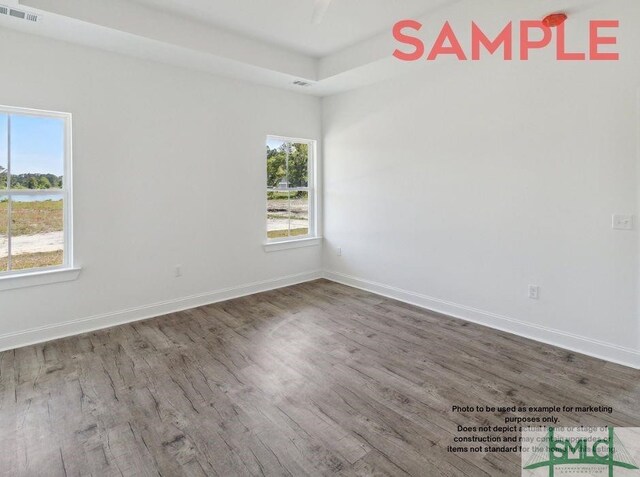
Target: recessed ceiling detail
[276, 43]
[288, 23]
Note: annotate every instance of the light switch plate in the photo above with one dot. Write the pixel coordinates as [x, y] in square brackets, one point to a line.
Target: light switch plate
[622, 222]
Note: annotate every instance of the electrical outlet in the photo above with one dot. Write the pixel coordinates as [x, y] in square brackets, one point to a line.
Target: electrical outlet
[339, 252]
[622, 222]
[178, 271]
[534, 292]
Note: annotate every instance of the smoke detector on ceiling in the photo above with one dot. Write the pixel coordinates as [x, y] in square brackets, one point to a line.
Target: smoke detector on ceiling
[19, 14]
[554, 20]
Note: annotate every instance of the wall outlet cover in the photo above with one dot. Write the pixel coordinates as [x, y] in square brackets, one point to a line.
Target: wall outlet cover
[622, 222]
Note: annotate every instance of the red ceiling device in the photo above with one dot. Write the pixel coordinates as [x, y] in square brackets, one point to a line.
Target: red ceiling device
[554, 20]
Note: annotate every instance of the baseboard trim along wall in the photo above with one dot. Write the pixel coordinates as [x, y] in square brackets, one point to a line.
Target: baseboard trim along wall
[41, 334]
[597, 349]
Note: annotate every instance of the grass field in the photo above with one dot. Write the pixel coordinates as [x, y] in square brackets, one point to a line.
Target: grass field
[285, 233]
[33, 260]
[30, 218]
[284, 212]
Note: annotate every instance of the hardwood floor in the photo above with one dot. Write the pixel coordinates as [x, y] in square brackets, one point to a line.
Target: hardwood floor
[314, 379]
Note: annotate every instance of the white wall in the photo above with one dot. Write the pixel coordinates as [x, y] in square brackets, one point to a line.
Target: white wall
[169, 169]
[461, 184]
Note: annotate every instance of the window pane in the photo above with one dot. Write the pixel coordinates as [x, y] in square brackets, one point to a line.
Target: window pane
[37, 152]
[298, 165]
[37, 237]
[299, 213]
[4, 241]
[276, 164]
[277, 214]
[3, 152]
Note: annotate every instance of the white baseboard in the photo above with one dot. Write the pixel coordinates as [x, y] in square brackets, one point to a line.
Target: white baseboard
[580, 344]
[107, 320]
[598, 349]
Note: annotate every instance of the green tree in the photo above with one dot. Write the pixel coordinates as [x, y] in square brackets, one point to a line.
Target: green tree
[297, 172]
[276, 165]
[299, 165]
[43, 183]
[32, 183]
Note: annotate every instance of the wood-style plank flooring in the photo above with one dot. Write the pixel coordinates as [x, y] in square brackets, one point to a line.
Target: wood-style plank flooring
[314, 379]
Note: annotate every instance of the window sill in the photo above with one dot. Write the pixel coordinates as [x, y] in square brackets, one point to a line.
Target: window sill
[36, 278]
[294, 243]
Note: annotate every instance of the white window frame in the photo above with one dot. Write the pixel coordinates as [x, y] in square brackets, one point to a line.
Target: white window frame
[312, 238]
[67, 270]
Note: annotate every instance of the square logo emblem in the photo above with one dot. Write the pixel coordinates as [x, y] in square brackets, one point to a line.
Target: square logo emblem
[581, 451]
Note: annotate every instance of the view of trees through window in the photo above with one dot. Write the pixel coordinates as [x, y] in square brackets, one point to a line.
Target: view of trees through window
[31, 191]
[287, 189]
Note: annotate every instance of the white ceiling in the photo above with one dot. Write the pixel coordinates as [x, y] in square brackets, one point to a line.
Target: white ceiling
[274, 42]
[287, 23]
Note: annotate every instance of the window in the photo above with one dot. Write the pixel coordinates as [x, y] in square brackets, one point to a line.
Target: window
[290, 189]
[35, 191]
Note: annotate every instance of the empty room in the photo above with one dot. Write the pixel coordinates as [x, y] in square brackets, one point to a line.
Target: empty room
[319, 237]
